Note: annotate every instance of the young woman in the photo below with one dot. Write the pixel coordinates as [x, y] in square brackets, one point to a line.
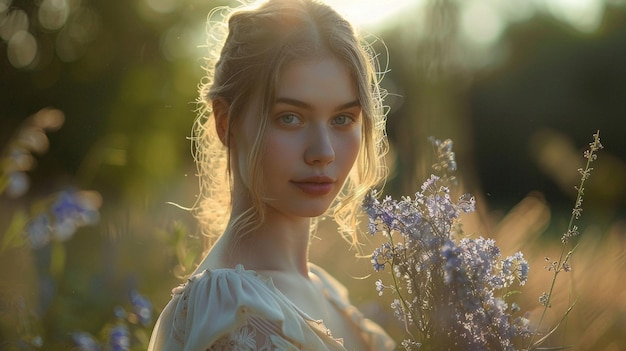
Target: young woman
[292, 128]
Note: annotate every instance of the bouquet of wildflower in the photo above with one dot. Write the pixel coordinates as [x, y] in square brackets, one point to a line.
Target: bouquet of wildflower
[451, 289]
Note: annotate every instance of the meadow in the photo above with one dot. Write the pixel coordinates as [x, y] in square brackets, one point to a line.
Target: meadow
[94, 152]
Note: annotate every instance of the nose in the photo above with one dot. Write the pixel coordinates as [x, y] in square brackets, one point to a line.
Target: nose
[320, 150]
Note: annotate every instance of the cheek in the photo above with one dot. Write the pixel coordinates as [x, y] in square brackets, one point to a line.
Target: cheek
[346, 153]
[280, 151]
[349, 147]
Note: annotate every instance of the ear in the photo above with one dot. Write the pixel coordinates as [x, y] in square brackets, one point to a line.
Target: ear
[220, 113]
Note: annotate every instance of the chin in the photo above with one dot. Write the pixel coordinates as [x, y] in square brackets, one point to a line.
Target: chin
[318, 214]
[313, 212]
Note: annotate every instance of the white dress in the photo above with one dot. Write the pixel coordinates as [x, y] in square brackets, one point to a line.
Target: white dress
[238, 309]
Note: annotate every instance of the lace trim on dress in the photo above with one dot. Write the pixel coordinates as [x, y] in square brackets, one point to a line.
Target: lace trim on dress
[253, 329]
[245, 338]
[238, 309]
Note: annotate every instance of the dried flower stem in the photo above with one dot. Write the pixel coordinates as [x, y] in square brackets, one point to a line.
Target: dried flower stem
[572, 230]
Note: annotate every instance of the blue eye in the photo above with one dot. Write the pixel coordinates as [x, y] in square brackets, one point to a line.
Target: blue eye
[289, 118]
[342, 120]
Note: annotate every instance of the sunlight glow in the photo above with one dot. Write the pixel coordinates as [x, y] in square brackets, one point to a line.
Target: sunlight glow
[515, 10]
[162, 6]
[481, 23]
[372, 13]
[584, 15]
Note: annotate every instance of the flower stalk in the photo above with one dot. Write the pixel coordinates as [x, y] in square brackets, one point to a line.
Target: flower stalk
[562, 264]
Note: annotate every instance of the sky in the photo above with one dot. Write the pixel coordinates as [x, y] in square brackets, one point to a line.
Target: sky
[482, 21]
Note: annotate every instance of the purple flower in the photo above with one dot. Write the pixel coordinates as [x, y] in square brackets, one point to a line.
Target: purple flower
[68, 212]
[119, 338]
[449, 285]
[17, 184]
[380, 287]
[377, 260]
[85, 342]
[452, 262]
[396, 306]
[430, 184]
[39, 231]
[74, 209]
[467, 203]
[120, 313]
[515, 268]
[384, 254]
[142, 308]
[445, 155]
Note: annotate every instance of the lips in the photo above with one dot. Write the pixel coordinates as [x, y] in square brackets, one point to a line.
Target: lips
[315, 186]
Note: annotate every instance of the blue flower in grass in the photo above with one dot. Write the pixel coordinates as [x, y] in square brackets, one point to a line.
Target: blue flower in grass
[142, 308]
[74, 209]
[119, 338]
[85, 342]
[39, 231]
[69, 211]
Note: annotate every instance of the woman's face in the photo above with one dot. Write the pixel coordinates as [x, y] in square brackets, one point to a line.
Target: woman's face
[312, 139]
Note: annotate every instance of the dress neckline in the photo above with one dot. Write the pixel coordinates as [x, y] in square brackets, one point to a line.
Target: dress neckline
[269, 281]
[318, 323]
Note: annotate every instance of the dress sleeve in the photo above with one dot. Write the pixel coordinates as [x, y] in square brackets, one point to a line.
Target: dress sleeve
[217, 308]
[373, 334]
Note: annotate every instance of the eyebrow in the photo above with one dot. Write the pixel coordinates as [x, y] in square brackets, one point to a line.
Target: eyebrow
[304, 105]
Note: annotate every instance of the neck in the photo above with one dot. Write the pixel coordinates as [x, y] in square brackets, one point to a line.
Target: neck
[280, 244]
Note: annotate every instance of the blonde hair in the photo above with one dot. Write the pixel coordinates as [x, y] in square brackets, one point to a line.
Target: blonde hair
[257, 43]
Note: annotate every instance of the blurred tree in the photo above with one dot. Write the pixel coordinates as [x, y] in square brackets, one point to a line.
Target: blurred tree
[427, 69]
[547, 76]
[554, 79]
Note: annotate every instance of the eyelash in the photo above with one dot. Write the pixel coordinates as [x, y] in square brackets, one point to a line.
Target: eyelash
[348, 119]
[281, 118]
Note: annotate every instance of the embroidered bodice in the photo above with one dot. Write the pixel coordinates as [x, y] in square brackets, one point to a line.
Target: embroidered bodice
[238, 309]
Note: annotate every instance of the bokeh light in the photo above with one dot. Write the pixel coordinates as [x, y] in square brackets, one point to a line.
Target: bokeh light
[12, 21]
[163, 6]
[22, 49]
[53, 14]
[584, 15]
[481, 23]
[61, 26]
[181, 41]
[373, 13]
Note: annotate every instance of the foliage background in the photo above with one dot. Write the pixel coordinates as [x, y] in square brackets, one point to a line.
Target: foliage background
[520, 108]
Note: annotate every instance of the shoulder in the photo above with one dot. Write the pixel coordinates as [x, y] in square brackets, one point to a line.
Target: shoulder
[222, 291]
[332, 287]
[212, 304]
[336, 292]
